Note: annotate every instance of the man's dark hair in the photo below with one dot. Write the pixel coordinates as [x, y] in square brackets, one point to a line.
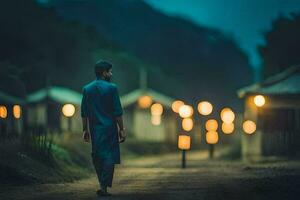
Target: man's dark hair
[102, 66]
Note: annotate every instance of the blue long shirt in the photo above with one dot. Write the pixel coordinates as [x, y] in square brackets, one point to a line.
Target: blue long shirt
[101, 105]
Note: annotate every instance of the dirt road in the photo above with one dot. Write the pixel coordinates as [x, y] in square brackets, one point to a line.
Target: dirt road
[161, 177]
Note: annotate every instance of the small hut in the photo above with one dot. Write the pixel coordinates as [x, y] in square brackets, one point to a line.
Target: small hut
[148, 114]
[55, 109]
[11, 117]
[274, 105]
[140, 119]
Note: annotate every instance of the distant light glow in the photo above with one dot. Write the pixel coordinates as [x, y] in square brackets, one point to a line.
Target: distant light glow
[176, 105]
[184, 142]
[187, 124]
[68, 110]
[249, 127]
[205, 108]
[156, 120]
[211, 125]
[259, 100]
[145, 101]
[17, 111]
[157, 109]
[3, 112]
[186, 111]
[227, 115]
[212, 137]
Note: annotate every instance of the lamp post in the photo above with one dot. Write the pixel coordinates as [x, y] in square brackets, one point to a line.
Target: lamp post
[184, 143]
[212, 138]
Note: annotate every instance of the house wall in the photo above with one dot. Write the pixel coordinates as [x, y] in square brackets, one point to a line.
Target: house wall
[251, 144]
[143, 128]
[278, 128]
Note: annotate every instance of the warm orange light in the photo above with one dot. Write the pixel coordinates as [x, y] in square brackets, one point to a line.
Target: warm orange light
[187, 124]
[184, 142]
[176, 105]
[211, 125]
[17, 111]
[145, 101]
[212, 137]
[259, 100]
[156, 120]
[227, 128]
[3, 112]
[205, 108]
[227, 115]
[68, 110]
[249, 127]
[157, 109]
[186, 111]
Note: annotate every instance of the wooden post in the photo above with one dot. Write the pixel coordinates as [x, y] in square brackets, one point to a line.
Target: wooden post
[183, 163]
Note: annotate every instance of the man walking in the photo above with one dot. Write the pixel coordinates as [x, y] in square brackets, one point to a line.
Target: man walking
[102, 120]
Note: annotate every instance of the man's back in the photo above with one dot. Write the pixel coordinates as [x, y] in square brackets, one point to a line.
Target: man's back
[101, 103]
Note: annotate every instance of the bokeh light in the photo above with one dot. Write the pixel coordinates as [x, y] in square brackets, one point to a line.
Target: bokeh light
[186, 111]
[145, 101]
[259, 100]
[176, 105]
[187, 124]
[3, 112]
[249, 127]
[211, 125]
[17, 111]
[227, 128]
[68, 110]
[205, 108]
[227, 115]
[184, 142]
[212, 137]
[157, 109]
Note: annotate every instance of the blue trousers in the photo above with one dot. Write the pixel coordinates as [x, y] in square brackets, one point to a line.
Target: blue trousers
[105, 172]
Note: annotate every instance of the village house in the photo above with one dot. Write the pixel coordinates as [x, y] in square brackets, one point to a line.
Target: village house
[274, 105]
[55, 109]
[11, 116]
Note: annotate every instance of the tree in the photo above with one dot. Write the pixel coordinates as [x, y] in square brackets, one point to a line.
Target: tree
[282, 48]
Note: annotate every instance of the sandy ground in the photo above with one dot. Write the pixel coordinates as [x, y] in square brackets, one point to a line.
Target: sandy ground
[162, 178]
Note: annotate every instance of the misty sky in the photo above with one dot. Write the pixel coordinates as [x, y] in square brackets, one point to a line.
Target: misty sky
[245, 19]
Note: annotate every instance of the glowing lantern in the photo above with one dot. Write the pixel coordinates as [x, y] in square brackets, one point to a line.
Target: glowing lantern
[17, 111]
[227, 115]
[259, 100]
[157, 109]
[227, 128]
[186, 111]
[156, 120]
[145, 101]
[176, 105]
[249, 127]
[68, 110]
[212, 137]
[187, 124]
[211, 125]
[205, 108]
[3, 112]
[184, 142]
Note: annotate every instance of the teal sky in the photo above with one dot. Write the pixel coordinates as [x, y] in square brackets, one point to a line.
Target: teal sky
[246, 20]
